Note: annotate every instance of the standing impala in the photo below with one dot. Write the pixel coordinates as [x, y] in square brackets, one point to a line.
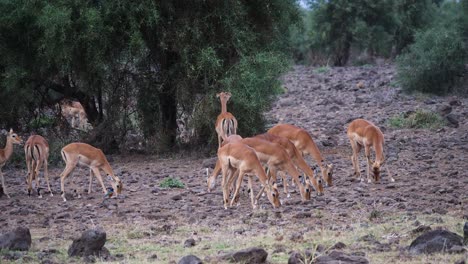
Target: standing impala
[5, 154]
[36, 151]
[296, 158]
[237, 158]
[305, 144]
[362, 133]
[226, 123]
[275, 157]
[84, 154]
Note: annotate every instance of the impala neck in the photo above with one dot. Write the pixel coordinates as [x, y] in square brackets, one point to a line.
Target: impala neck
[8, 151]
[223, 105]
[379, 157]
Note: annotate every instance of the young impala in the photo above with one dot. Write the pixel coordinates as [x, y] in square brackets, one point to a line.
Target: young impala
[362, 133]
[5, 154]
[305, 144]
[237, 158]
[87, 155]
[36, 150]
[226, 123]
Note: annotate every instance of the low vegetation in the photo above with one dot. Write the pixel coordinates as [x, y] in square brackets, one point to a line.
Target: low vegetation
[419, 119]
[171, 183]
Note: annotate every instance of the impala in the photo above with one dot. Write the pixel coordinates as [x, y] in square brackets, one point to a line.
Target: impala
[305, 144]
[237, 158]
[276, 159]
[5, 154]
[36, 150]
[87, 155]
[74, 111]
[296, 158]
[226, 123]
[362, 133]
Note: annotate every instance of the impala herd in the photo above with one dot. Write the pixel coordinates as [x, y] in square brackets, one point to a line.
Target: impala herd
[279, 151]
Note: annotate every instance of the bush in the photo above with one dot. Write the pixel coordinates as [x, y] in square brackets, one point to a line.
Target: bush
[434, 62]
[171, 183]
[418, 119]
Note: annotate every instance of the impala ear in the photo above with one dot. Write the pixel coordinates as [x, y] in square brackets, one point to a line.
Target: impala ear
[11, 131]
[217, 95]
[275, 186]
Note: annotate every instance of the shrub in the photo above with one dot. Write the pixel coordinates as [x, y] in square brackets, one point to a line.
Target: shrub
[418, 119]
[171, 183]
[434, 62]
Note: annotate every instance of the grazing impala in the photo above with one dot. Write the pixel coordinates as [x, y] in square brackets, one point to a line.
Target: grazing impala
[274, 156]
[5, 154]
[226, 123]
[237, 158]
[305, 144]
[362, 133]
[74, 111]
[84, 154]
[36, 151]
[296, 158]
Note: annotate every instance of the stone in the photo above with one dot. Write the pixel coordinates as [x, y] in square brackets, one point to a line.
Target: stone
[190, 259]
[435, 241]
[452, 120]
[18, 239]
[298, 257]
[91, 243]
[444, 109]
[338, 257]
[249, 255]
[189, 242]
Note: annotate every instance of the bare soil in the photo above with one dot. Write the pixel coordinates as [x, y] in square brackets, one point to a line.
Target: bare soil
[150, 224]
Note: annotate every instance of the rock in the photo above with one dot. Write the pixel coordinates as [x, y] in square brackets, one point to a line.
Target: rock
[452, 119]
[189, 242]
[421, 229]
[91, 243]
[209, 163]
[339, 245]
[296, 237]
[249, 255]
[18, 239]
[435, 241]
[336, 257]
[444, 109]
[190, 259]
[298, 257]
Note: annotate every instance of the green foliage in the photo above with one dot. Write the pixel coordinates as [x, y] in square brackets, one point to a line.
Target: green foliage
[42, 122]
[171, 183]
[434, 62]
[322, 69]
[138, 66]
[418, 119]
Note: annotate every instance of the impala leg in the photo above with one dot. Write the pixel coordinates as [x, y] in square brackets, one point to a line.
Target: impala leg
[238, 185]
[388, 172]
[261, 192]
[3, 184]
[252, 196]
[46, 176]
[354, 158]
[99, 177]
[369, 163]
[90, 180]
[68, 169]
[212, 179]
[36, 171]
[224, 182]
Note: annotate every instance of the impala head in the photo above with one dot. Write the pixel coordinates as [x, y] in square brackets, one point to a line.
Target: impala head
[376, 170]
[273, 195]
[118, 187]
[307, 190]
[224, 96]
[14, 137]
[327, 174]
[319, 188]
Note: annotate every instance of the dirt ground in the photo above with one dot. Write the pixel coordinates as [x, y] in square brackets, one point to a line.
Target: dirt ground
[150, 224]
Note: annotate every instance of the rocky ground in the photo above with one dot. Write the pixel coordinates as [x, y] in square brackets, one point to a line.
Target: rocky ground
[376, 222]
